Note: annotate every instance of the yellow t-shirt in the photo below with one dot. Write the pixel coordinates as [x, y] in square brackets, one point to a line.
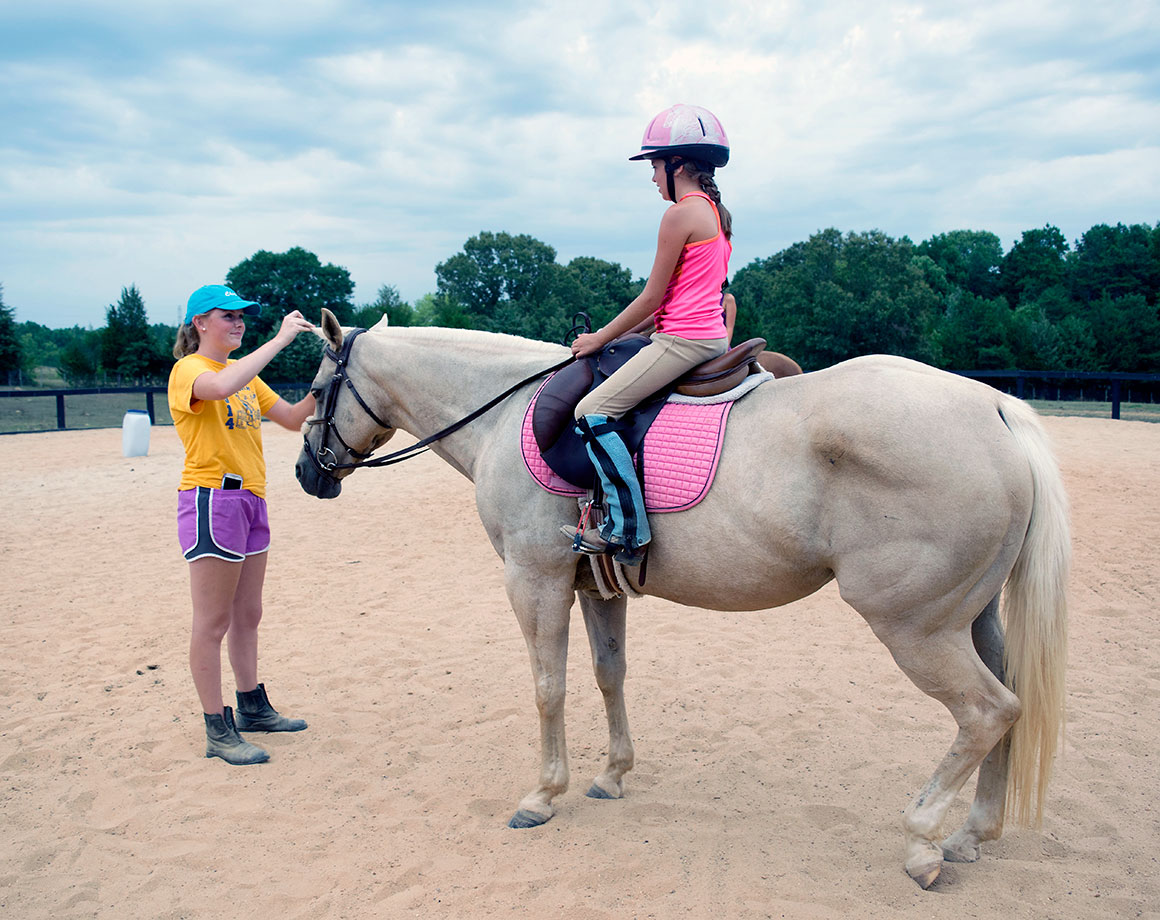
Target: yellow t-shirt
[220, 435]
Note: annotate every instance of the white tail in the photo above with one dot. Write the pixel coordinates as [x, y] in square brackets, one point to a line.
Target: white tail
[1035, 615]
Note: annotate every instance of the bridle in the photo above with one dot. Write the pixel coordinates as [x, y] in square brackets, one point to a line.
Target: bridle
[326, 462]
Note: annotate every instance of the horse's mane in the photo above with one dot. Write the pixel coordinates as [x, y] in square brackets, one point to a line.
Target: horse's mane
[522, 352]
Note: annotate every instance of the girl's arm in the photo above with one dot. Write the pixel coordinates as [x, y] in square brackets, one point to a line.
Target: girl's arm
[231, 378]
[677, 227]
[292, 415]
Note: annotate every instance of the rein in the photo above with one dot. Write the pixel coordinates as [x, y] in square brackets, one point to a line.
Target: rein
[341, 378]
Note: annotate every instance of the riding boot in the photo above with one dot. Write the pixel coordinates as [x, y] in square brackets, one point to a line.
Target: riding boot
[626, 528]
[255, 714]
[222, 740]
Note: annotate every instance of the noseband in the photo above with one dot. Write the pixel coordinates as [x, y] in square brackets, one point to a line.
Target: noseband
[326, 462]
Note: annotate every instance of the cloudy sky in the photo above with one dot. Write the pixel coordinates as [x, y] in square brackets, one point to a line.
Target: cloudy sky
[160, 142]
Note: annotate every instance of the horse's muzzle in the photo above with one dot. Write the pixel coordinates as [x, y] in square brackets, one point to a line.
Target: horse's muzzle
[313, 481]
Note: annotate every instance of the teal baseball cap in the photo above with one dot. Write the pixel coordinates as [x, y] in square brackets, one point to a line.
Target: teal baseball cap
[218, 297]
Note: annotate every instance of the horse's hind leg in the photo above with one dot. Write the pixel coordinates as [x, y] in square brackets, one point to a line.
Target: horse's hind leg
[985, 821]
[947, 667]
[605, 621]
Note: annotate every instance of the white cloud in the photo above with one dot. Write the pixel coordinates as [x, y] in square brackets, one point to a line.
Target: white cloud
[160, 144]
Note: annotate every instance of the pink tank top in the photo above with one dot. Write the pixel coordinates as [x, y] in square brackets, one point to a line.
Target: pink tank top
[691, 307]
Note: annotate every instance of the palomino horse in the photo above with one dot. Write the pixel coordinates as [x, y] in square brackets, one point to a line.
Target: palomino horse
[920, 492]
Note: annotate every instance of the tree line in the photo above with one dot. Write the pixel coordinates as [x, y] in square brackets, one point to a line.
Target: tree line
[955, 301]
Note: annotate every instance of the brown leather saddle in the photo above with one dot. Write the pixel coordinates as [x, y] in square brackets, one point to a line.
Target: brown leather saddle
[552, 417]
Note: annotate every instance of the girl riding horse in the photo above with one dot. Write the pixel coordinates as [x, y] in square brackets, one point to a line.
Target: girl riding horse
[684, 144]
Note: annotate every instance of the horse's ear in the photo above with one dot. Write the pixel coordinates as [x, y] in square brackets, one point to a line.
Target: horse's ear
[331, 330]
[381, 322]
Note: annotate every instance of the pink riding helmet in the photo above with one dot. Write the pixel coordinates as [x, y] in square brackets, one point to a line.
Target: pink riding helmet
[685, 130]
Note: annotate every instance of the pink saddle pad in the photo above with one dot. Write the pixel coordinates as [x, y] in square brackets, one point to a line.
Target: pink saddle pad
[681, 452]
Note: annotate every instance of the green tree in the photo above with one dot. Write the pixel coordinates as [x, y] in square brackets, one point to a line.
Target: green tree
[836, 297]
[32, 355]
[11, 357]
[1127, 333]
[163, 335]
[505, 283]
[970, 258]
[974, 333]
[1077, 345]
[284, 282]
[758, 313]
[602, 289]
[127, 344]
[1036, 343]
[388, 304]
[1035, 264]
[42, 347]
[1114, 262]
[425, 311]
[80, 357]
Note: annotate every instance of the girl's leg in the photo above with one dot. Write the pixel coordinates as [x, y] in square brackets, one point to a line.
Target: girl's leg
[242, 638]
[656, 365]
[627, 525]
[254, 711]
[212, 584]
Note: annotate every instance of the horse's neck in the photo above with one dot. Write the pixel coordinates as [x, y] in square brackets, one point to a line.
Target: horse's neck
[434, 377]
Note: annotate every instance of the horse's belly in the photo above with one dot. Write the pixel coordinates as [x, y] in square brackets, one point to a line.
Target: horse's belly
[760, 594]
[738, 574]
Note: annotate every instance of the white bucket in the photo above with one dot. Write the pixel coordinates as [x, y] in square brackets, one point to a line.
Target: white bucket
[135, 433]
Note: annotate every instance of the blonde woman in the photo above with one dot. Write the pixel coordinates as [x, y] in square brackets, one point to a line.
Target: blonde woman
[217, 405]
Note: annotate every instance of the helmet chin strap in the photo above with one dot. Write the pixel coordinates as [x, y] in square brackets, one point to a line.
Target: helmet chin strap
[672, 164]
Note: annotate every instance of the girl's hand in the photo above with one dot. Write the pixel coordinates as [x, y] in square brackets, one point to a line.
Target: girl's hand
[292, 324]
[586, 343]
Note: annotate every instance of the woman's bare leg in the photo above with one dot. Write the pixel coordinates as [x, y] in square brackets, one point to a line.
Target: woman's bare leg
[242, 637]
[212, 584]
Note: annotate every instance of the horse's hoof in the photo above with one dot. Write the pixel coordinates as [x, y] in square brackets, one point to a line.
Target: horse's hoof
[961, 849]
[595, 792]
[925, 874]
[523, 819]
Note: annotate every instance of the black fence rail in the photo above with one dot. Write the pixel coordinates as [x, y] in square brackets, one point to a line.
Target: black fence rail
[59, 396]
[35, 410]
[1065, 386]
[97, 410]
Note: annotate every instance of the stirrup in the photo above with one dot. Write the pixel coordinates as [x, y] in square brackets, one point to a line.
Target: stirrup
[588, 541]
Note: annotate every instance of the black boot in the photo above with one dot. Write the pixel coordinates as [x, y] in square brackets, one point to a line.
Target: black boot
[255, 714]
[222, 740]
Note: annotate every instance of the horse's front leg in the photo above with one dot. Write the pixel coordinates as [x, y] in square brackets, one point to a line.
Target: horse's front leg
[605, 620]
[542, 605]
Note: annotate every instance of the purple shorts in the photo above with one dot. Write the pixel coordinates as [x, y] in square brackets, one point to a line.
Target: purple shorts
[229, 524]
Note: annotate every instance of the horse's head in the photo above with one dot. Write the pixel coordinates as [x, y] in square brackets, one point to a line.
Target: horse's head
[327, 455]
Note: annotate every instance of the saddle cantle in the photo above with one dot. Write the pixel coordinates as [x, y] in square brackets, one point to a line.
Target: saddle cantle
[552, 413]
[723, 373]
